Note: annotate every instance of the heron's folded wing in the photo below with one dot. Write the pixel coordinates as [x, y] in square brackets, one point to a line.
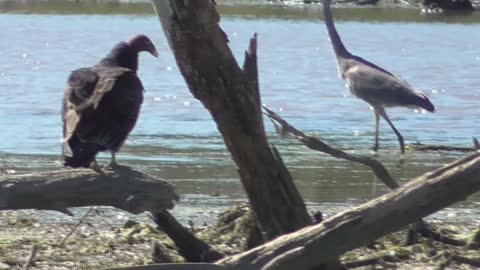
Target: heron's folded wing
[377, 87]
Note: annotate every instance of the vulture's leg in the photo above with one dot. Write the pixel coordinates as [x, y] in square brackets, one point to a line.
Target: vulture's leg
[377, 130]
[113, 162]
[94, 166]
[384, 115]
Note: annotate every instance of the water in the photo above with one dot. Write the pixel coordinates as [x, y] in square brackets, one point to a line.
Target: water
[175, 137]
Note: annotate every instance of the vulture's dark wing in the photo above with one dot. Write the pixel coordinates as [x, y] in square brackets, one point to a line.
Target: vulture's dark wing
[85, 90]
[114, 115]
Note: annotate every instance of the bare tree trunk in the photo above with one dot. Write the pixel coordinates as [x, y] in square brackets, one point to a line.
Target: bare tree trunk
[124, 189]
[232, 97]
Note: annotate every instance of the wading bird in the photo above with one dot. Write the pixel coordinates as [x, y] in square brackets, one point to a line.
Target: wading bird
[372, 83]
[102, 103]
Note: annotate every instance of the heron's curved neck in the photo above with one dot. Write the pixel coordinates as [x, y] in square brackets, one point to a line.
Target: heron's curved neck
[338, 47]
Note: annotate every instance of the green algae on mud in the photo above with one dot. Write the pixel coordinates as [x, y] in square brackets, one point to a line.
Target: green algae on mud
[90, 247]
[100, 245]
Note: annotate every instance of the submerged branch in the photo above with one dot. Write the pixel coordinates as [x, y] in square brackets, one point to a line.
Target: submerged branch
[283, 127]
[189, 246]
[316, 144]
[426, 147]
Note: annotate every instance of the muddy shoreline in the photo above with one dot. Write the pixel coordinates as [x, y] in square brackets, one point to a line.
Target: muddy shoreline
[98, 243]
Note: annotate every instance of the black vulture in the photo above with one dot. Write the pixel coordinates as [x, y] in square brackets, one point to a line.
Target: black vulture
[101, 104]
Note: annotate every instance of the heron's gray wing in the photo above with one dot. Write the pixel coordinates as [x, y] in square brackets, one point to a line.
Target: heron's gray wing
[379, 88]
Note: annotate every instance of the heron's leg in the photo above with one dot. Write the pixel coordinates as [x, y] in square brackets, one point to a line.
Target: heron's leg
[384, 115]
[94, 166]
[377, 127]
[113, 162]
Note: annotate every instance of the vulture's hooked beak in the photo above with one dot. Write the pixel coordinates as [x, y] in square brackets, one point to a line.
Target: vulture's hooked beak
[154, 53]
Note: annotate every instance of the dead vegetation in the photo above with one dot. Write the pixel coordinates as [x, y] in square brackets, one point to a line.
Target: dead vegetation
[96, 245]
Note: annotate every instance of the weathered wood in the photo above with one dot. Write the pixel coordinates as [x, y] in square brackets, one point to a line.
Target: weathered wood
[189, 246]
[353, 228]
[231, 96]
[125, 189]
[283, 127]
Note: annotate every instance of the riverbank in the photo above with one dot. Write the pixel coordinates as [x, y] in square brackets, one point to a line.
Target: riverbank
[96, 243]
[384, 11]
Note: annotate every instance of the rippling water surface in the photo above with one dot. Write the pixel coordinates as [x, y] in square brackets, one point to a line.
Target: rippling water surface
[175, 137]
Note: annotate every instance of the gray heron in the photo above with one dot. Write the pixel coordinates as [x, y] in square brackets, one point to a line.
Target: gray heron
[373, 84]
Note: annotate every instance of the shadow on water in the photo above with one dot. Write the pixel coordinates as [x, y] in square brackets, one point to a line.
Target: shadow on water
[252, 11]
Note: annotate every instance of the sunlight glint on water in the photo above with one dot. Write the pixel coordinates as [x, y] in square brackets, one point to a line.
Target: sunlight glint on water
[175, 137]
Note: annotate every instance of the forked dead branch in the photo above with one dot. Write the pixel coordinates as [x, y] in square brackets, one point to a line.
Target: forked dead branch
[313, 143]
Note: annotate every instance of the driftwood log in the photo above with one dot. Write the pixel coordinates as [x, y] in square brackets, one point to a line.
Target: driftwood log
[231, 95]
[125, 189]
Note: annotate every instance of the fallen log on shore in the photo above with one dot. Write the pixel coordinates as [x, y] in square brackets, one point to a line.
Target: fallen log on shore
[124, 188]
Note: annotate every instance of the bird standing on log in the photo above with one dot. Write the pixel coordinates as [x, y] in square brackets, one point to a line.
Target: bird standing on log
[372, 83]
[102, 103]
